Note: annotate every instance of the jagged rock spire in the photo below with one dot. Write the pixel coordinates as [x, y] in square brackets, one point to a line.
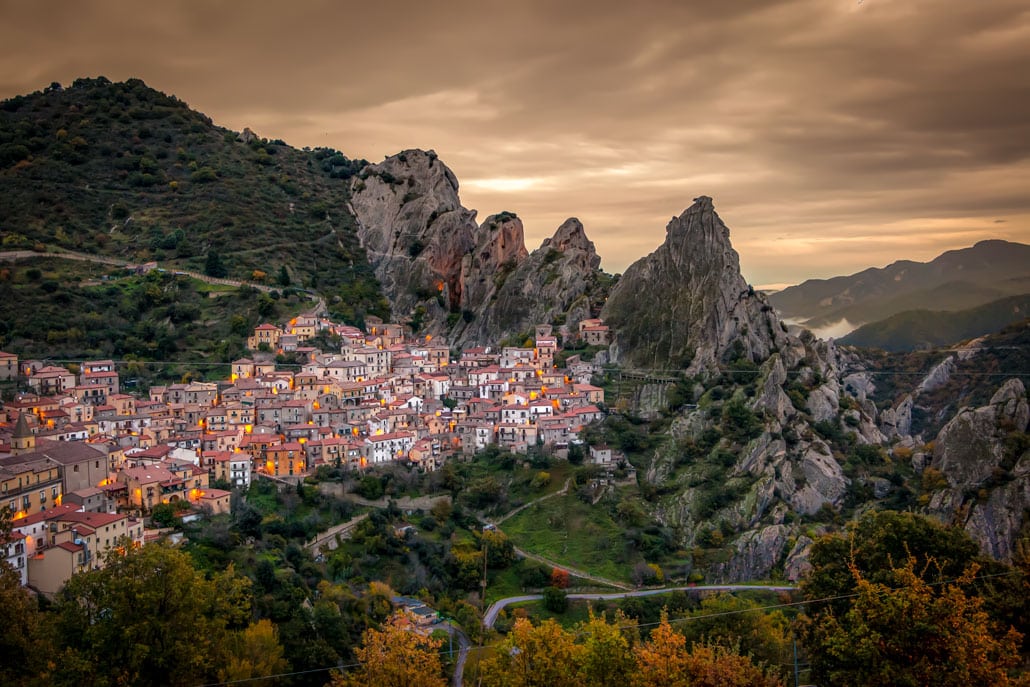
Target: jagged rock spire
[686, 305]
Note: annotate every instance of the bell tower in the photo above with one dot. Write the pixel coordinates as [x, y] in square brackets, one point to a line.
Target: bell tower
[23, 440]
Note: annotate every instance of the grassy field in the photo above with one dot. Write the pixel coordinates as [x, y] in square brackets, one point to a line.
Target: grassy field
[568, 531]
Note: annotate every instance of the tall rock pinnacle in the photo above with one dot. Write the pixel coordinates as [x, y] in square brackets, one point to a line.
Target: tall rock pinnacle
[686, 305]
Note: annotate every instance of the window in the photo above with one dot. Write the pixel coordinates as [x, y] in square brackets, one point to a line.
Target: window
[53, 492]
[26, 502]
[42, 496]
[75, 468]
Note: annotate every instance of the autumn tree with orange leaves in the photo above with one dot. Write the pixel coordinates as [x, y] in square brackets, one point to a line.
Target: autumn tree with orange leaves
[395, 656]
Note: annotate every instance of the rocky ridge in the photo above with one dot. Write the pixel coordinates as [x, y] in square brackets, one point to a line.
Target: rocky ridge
[819, 444]
[473, 283]
[816, 442]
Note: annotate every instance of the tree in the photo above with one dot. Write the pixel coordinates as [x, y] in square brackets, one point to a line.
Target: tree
[395, 657]
[909, 632]
[733, 620]
[662, 659]
[253, 652]
[543, 655]
[147, 618]
[715, 665]
[555, 600]
[284, 276]
[500, 550]
[607, 653]
[213, 266]
[165, 515]
[25, 646]
[875, 544]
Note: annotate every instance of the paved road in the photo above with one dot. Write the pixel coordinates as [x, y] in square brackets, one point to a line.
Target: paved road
[463, 651]
[491, 613]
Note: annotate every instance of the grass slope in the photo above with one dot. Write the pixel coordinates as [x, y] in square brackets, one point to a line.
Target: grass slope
[566, 530]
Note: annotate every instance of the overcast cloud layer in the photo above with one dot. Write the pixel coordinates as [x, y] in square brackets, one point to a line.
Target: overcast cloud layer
[833, 134]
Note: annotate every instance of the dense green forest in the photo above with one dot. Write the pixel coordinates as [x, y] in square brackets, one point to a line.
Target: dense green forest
[60, 309]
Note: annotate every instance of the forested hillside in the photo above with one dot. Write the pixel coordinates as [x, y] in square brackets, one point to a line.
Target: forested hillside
[120, 169]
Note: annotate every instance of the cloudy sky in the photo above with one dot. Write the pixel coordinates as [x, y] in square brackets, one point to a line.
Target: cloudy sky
[833, 134]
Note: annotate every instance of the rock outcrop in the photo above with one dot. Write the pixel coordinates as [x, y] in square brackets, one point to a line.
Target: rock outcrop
[686, 305]
[987, 470]
[558, 283]
[448, 275]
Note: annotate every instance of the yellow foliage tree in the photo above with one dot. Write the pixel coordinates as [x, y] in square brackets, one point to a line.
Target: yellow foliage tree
[395, 656]
[662, 659]
[253, 652]
[543, 655]
[607, 658]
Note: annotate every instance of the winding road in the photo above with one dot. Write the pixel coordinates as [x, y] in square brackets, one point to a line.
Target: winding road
[497, 606]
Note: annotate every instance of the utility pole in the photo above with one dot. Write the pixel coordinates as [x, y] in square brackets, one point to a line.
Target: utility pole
[796, 681]
[482, 600]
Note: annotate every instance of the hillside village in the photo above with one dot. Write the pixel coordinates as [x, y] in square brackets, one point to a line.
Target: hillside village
[82, 463]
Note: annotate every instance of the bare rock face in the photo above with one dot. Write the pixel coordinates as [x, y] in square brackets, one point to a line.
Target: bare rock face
[450, 276]
[414, 229]
[686, 305]
[988, 475]
[755, 554]
[897, 422]
[558, 282]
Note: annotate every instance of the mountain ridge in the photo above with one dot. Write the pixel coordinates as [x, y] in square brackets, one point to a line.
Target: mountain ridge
[996, 267]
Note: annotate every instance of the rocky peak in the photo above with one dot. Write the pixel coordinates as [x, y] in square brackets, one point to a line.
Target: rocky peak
[686, 304]
[448, 275]
[571, 240]
[415, 231]
[502, 240]
[558, 282]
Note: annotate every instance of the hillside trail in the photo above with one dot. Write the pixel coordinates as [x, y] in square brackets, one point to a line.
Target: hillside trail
[54, 252]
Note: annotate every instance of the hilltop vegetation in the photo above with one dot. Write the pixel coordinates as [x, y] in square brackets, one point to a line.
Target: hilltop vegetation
[53, 310]
[120, 169]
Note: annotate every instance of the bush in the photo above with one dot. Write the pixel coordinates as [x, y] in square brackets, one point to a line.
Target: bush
[556, 600]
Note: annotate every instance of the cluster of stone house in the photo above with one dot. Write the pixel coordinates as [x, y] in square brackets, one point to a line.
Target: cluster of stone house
[77, 442]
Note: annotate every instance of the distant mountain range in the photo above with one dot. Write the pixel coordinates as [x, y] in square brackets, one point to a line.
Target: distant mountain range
[956, 280]
[922, 329]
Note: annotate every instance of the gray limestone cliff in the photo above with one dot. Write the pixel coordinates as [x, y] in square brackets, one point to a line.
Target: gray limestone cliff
[686, 305]
[558, 283]
[983, 456]
[448, 275]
